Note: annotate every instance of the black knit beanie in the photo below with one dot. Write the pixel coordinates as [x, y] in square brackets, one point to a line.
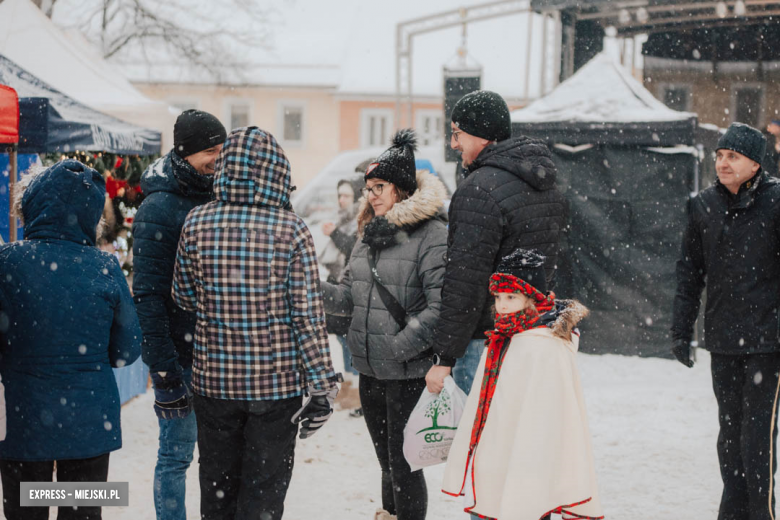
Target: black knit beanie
[527, 265]
[744, 139]
[483, 114]
[196, 131]
[396, 164]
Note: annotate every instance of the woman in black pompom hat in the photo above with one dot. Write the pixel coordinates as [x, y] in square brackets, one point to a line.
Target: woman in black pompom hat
[392, 291]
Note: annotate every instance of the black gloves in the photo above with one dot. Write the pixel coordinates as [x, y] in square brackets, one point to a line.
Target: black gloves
[172, 398]
[682, 351]
[316, 410]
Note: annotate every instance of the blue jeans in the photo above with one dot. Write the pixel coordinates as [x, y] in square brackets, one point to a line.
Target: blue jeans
[464, 370]
[177, 442]
[347, 356]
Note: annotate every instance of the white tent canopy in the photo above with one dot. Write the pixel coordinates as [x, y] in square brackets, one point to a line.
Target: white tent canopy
[68, 63]
[600, 92]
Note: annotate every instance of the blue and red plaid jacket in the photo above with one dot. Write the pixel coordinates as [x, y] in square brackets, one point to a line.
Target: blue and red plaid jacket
[247, 265]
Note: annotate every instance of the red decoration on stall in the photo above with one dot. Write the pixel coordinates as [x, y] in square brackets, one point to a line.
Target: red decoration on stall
[9, 115]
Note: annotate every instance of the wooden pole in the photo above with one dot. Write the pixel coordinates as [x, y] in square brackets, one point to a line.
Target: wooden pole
[11, 184]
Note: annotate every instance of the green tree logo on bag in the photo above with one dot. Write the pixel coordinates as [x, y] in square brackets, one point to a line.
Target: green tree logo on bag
[432, 425]
[439, 407]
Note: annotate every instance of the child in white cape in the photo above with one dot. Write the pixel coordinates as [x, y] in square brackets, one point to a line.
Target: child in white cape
[522, 450]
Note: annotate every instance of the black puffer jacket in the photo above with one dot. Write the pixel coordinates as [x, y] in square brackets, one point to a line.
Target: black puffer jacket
[507, 201]
[172, 189]
[732, 243]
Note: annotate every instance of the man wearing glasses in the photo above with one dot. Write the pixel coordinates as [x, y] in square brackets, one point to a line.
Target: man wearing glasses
[508, 200]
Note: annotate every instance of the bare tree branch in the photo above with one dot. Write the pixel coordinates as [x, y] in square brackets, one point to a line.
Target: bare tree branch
[177, 31]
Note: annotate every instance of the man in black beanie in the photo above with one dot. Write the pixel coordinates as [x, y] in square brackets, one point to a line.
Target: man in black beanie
[174, 184]
[732, 245]
[507, 201]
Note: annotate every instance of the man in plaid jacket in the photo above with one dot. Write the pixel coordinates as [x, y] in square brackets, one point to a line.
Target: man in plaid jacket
[247, 265]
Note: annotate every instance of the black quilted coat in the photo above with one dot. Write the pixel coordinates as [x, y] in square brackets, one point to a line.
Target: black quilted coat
[508, 200]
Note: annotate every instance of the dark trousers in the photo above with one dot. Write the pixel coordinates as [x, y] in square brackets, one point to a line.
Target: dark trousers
[14, 472]
[387, 406]
[247, 451]
[745, 387]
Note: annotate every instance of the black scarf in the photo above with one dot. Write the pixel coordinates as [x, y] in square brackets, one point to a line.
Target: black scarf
[381, 234]
[192, 183]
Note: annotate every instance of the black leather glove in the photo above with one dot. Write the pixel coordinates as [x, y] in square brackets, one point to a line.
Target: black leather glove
[172, 398]
[682, 351]
[316, 410]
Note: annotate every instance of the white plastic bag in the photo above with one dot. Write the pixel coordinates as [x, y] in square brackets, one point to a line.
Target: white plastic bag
[431, 428]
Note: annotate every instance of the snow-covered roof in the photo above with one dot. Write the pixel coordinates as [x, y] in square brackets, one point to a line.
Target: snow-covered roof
[349, 45]
[267, 75]
[600, 92]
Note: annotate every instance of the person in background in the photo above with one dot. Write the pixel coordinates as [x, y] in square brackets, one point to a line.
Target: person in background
[174, 184]
[771, 161]
[66, 319]
[335, 257]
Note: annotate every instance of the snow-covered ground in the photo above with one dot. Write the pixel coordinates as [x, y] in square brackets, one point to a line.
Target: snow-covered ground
[654, 426]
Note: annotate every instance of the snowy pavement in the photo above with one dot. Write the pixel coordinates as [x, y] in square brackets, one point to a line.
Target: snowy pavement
[654, 427]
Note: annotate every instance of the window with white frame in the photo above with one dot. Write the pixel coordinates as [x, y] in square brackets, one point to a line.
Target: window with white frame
[676, 97]
[291, 121]
[747, 104]
[429, 126]
[239, 113]
[376, 125]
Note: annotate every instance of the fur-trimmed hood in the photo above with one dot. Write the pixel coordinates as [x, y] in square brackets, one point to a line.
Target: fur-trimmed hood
[563, 319]
[405, 216]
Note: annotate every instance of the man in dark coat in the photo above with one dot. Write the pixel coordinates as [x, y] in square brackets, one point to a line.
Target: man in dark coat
[174, 184]
[507, 201]
[732, 245]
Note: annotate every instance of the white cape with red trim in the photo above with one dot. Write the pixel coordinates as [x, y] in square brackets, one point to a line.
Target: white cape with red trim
[535, 453]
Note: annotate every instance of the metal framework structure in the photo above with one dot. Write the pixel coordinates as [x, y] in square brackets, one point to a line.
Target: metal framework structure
[632, 19]
[639, 17]
[407, 30]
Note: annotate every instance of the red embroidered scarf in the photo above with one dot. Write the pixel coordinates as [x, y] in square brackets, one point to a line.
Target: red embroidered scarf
[506, 326]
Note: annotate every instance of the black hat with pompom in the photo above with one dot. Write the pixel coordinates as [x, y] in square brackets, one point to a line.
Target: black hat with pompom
[526, 265]
[396, 164]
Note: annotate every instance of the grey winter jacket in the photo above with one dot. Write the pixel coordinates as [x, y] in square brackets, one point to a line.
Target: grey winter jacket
[411, 265]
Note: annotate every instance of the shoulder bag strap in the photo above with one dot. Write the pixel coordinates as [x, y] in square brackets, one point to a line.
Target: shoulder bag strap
[395, 309]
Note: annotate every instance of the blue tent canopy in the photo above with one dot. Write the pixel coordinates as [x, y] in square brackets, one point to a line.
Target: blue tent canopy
[50, 121]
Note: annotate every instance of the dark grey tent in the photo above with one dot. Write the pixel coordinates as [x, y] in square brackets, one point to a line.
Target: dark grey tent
[627, 166]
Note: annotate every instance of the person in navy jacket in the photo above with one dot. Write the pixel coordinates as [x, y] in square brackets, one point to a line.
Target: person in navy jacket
[66, 318]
